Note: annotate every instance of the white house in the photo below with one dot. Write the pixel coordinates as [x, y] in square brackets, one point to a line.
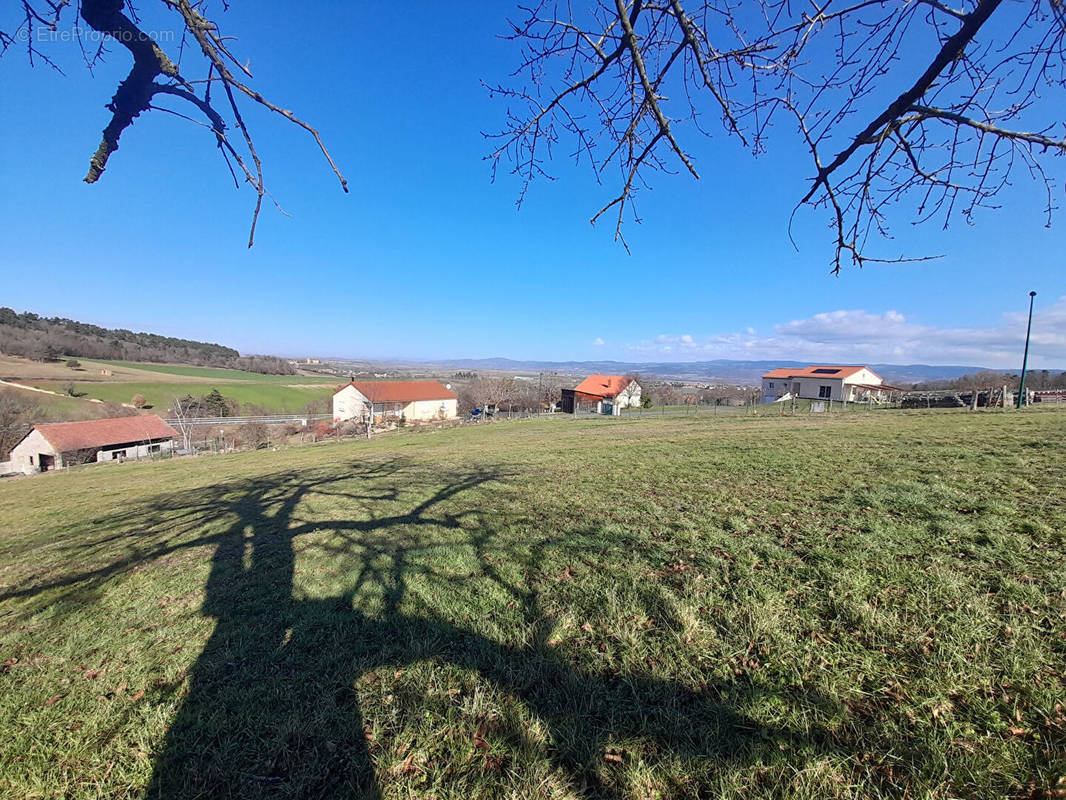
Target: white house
[849, 384]
[415, 401]
[608, 394]
[63, 444]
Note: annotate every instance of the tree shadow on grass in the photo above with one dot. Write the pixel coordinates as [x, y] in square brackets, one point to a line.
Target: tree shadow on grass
[272, 709]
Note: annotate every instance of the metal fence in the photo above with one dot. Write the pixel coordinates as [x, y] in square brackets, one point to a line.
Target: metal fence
[269, 419]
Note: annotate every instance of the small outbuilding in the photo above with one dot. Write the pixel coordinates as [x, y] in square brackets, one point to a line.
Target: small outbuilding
[414, 401]
[64, 444]
[602, 394]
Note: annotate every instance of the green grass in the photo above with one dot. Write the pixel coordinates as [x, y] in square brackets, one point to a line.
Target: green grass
[59, 409]
[803, 406]
[270, 396]
[220, 374]
[851, 606]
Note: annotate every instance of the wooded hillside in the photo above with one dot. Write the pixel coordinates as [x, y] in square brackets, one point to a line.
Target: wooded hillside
[47, 338]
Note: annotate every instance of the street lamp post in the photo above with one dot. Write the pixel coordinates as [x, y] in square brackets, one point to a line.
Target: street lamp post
[1025, 358]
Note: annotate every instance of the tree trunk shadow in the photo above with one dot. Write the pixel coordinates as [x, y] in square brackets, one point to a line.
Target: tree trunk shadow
[272, 710]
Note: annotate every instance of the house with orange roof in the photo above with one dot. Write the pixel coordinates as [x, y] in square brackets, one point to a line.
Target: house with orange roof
[602, 394]
[65, 444]
[847, 384]
[414, 401]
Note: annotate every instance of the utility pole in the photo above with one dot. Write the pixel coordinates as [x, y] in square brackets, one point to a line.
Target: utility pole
[1025, 358]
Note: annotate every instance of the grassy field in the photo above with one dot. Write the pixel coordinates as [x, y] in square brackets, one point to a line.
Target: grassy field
[59, 409]
[160, 384]
[850, 606]
[803, 406]
[218, 374]
[270, 396]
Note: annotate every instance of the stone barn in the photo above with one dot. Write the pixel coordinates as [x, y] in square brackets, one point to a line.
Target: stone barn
[64, 444]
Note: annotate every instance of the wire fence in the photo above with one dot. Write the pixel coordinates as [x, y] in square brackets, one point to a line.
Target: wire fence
[268, 419]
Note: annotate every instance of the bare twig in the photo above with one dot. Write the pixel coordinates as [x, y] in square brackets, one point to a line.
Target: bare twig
[118, 21]
[630, 79]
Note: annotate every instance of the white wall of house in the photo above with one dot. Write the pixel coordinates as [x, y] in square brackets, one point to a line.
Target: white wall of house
[424, 410]
[814, 386]
[869, 377]
[26, 457]
[865, 377]
[628, 397]
[773, 388]
[349, 403]
[135, 452]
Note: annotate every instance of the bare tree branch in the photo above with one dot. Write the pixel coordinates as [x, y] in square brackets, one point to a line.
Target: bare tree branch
[633, 80]
[117, 21]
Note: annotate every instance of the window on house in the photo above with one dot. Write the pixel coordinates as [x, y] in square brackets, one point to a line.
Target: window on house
[117, 454]
[153, 448]
[770, 385]
[825, 392]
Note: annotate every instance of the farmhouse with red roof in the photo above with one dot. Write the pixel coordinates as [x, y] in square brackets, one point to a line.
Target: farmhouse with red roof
[64, 444]
[603, 394]
[823, 382]
[415, 401]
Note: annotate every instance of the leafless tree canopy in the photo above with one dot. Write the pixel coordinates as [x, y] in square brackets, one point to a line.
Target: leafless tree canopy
[158, 76]
[17, 415]
[938, 104]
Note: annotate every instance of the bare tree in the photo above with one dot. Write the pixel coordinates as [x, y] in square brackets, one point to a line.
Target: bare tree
[489, 391]
[256, 435]
[157, 75]
[17, 415]
[184, 409]
[896, 100]
[550, 388]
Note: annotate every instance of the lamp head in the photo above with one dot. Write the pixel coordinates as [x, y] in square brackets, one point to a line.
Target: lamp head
[1032, 294]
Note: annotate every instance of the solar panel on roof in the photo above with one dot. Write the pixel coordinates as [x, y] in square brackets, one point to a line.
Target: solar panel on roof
[826, 371]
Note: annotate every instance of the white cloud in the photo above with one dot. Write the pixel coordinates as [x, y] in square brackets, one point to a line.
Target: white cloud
[846, 326]
[859, 336]
[598, 341]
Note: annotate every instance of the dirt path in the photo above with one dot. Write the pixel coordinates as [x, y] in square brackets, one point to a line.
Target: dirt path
[57, 394]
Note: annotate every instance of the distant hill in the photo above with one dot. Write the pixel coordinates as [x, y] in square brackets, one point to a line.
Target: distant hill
[714, 371]
[47, 338]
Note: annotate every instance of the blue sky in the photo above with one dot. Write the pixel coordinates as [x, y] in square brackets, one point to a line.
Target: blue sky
[427, 258]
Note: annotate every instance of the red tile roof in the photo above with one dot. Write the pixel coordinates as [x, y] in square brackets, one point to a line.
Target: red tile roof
[400, 391]
[68, 436]
[816, 371]
[603, 385]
